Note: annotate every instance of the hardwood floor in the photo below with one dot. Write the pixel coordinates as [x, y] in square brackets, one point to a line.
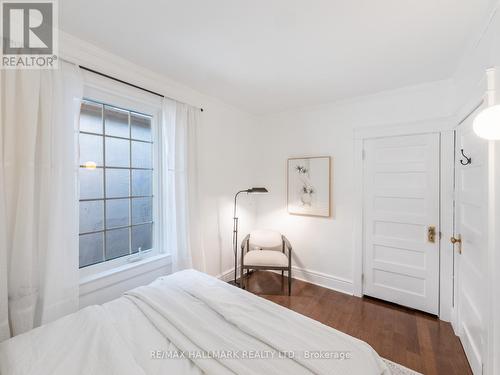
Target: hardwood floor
[412, 338]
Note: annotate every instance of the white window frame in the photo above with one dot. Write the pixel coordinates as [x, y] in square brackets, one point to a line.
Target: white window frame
[115, 94]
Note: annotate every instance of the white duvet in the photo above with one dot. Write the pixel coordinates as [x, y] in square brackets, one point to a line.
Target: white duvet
[187, 323]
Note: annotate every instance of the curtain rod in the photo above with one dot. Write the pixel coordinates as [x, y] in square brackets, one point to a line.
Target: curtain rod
[124, 82]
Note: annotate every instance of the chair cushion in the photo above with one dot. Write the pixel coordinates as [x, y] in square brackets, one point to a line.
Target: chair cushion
[265, 239]
[269, 258]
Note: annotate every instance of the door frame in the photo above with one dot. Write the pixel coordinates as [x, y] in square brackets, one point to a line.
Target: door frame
[444, 127]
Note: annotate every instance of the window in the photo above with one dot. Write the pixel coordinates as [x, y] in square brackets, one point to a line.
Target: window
[116, 183]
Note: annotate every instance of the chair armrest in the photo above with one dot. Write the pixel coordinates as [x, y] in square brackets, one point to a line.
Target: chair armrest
[288, 245]
[244, 242]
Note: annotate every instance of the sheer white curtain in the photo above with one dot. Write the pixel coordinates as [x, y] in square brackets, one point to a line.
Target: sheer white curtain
[181, 211]
[38, 196]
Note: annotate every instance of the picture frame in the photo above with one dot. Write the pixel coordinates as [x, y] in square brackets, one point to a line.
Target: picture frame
[309, 186]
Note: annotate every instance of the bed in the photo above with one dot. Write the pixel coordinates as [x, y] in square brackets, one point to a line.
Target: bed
[187, 323]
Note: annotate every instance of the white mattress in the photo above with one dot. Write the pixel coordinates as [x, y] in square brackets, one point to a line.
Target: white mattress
[187, 323]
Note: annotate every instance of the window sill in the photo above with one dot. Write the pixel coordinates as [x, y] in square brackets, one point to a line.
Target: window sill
[91, 283]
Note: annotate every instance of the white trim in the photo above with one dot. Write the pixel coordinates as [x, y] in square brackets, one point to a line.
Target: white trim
[83, 53]
[112, 93]
[446, 220]
[228, 275]
[478, 95]
[435, 125]
[338, 284]
[493, 354]
[491, 319]
[80, 52]
[493, 9]
[357, 256]
[95, 282]
[119, 94]
[441, 125]
[453, 317]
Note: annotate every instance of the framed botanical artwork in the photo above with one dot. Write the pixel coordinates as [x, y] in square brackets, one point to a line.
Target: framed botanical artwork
[308, 186]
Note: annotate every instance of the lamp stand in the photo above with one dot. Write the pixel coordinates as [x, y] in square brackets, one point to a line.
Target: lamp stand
[235, 248]
[254, 190]
[235, 238]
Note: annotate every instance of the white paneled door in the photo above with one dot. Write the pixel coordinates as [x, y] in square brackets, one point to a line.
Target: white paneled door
[471, 257]
[401, 220]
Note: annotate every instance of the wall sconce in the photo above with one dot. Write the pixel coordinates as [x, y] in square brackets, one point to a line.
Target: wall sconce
[487, 123]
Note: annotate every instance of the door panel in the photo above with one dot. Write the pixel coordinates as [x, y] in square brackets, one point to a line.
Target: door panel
[401, 201]
[471, 183]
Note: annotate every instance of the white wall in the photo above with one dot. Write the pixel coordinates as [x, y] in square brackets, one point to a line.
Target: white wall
[226, 152]
[324, 246]
[225, 144]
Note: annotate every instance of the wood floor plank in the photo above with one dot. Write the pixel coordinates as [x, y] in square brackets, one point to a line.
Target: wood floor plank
[414, 339]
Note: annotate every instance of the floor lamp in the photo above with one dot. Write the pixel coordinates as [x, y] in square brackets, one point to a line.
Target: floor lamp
[254, 190]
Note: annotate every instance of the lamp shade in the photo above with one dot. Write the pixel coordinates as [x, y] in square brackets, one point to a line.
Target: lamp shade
[257, 190]
[487, 123]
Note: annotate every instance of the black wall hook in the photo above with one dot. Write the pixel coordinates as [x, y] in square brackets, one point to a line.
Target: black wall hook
[468, 160]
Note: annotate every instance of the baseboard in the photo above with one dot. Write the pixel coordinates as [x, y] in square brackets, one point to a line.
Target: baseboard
[327, 281]
[228, 275]
[454, 322]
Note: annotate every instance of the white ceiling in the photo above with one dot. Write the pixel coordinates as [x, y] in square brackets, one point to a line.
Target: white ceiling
[270, 55]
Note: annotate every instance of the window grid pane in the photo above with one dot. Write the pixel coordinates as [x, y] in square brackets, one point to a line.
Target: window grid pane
[119, 226]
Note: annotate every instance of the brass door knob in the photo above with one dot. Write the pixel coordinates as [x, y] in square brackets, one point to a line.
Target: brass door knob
[455, 240]
[431, 234]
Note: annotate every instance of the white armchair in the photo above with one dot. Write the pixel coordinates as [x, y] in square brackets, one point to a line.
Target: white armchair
[266, 250]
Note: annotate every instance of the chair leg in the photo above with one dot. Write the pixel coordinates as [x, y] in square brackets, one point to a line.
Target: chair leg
[289, 281]
[242, 279]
